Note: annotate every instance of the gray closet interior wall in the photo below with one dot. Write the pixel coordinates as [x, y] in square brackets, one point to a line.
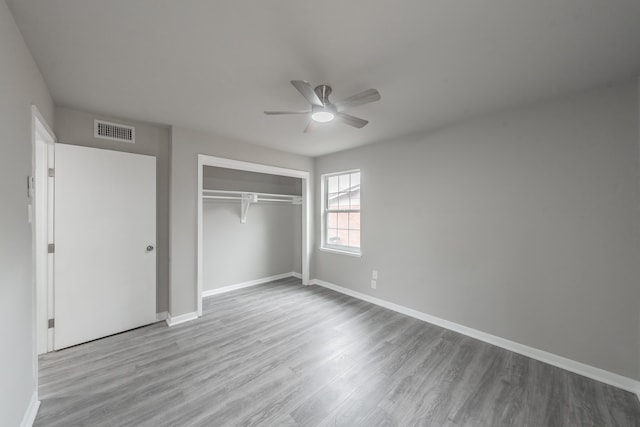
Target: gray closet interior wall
[268, 244]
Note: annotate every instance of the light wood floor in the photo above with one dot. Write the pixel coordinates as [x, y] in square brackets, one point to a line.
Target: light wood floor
[283, 354]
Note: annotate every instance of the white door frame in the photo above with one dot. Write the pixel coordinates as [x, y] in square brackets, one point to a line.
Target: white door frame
[205, 160]
[41, 207]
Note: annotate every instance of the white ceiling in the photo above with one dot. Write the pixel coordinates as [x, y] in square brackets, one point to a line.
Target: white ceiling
[216, 65]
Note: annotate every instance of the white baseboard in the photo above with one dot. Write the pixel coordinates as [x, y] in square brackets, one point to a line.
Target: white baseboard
[592, 372]
[31, 412]
[250, 283]
[162, 316]
[176, 320]
[296, 275]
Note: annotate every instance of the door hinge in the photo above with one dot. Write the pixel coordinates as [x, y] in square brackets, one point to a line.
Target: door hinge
[31, 186]
[52, 172]
[51, 323]
[51, 248]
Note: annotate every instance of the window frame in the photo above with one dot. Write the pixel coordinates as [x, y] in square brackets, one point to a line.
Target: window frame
[324, 211]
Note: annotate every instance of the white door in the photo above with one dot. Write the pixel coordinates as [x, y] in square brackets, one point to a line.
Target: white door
[105, 232]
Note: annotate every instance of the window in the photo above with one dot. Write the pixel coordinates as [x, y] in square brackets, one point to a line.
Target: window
[341, 212]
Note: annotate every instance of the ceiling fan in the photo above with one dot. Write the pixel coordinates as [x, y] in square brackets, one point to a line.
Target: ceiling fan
[323, 110]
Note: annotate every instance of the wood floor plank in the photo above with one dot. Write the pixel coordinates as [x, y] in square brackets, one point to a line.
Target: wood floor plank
[282, 354]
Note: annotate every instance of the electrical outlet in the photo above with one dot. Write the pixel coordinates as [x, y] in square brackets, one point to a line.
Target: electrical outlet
[374, 275]
[373, 284]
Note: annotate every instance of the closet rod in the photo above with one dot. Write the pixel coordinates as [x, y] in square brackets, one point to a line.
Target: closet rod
[260, 199]
[222, 197]
[204, 192]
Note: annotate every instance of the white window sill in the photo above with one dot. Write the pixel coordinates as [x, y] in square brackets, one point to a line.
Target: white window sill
[338, 251]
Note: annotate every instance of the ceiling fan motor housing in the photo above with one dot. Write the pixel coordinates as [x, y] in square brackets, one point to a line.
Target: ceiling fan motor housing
[328, 108]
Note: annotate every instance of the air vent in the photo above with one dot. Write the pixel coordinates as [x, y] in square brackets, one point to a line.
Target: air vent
[114, 131]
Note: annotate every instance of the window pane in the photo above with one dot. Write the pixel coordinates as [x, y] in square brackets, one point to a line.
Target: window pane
[332, 236]
[343, 220]
[332, 184]
[332, 202]
[354, 238]
[355, 199]
[332, 220]
[343, 237]
[344, 182]
[354, 221]
[344, 200]
[355, 179]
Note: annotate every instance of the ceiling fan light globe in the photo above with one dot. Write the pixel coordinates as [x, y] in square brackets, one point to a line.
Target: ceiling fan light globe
[322, 116]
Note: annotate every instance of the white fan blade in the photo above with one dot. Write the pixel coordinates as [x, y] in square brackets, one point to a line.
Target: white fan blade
[351, 120]
[369, 95]
[273, 113]
[307, 91]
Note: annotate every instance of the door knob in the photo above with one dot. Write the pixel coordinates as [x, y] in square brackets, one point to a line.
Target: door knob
[149, 248]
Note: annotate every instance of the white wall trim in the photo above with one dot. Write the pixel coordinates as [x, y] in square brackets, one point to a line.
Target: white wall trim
[592, 372]
[338, 251]
[206, 160]
[296, 275]
[36, 113]
[163, 315]
[40, 129]
[176, 320]
[31, 412]
[251, 167]
[247, 284]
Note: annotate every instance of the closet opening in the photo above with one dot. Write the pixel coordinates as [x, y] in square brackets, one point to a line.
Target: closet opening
[253, 225]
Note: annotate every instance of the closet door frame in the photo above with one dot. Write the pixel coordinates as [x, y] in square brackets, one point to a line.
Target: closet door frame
[205, 160]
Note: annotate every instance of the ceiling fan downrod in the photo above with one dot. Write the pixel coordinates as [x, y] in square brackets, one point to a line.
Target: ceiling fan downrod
[323, 92]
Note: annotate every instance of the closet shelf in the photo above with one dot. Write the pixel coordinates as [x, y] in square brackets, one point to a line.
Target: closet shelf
[247, 198]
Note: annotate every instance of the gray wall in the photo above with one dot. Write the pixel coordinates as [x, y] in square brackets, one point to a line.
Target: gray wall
[216, 178]
[524, 225]
[76, 127]
[262, 247]
[185, 146]
[20, 86]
